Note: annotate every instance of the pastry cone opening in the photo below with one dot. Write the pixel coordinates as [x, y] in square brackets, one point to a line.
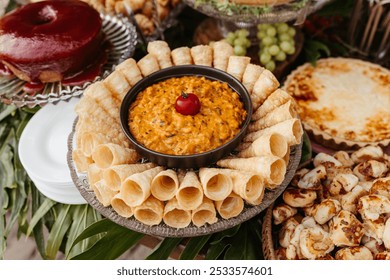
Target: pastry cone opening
[107, 155]
[278, 145]
[150, 212]
[177, 218]
[115, 175]
[230, 207]
[278, 169]
[120, 206]
[202, 217]
[205, 213]
[90, 140]
[297, 131]
[189, 197]
[215, 186]
[148, 215]
[252, 187]
[190, 193]
[165, 185]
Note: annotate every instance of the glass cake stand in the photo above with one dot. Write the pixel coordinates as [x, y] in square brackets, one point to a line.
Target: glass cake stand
[231, 17]
[119, 32]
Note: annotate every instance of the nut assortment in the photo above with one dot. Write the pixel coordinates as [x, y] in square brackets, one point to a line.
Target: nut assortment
[339, 209]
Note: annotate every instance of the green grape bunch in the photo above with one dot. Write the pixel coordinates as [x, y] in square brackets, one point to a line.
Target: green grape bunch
[239, 41]
[276, 43]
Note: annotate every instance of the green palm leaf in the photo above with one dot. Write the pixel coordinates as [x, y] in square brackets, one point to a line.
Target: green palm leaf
[115, 242]
[194, 246]
[39, 214]
[58, 231]
[38, 228]
[245, 245]
[164, 250]
[83, 216]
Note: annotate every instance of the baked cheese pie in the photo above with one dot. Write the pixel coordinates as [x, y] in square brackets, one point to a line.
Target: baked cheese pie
[343, 102]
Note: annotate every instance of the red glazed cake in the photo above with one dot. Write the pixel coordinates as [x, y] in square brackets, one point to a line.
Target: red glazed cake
[51, 40]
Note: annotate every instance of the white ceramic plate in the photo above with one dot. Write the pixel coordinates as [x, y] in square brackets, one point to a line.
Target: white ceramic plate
[73, 197]
[43, 144]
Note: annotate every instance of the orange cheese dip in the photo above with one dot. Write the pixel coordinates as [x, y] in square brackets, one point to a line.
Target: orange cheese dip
[154, 122]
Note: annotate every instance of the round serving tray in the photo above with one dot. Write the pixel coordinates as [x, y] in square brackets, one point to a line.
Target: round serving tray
[81, 182]
[119, 32]
[281, 13]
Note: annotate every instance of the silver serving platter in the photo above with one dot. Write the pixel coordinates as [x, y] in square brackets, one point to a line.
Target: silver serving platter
[81, 182]
[119, 32]
[281, 13]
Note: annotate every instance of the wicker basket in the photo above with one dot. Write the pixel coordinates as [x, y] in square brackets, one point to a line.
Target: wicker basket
[267, 238]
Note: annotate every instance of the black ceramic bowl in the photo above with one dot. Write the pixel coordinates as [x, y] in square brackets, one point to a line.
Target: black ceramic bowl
[195, 160]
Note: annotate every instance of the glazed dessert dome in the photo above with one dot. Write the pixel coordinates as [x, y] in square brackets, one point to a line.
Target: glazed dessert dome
[50, 40]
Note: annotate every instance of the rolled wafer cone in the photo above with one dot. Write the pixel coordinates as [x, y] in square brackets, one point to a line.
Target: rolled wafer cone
[276, 99]
[290, 129]
[100, 93]
[90, 140]
[148, 65]
[265, 85]
[237, 65]
[230, 207]
[115, 175]
[130, 70]
[270, 168]
[162, 52]
[94, 174]
[181, 56]
[270, 144]
[120, 206]
[174, 216]
[243, 146]
[222, 51]
[135, 189]
[190, 193]
[217, 185]
[107, 155]
[103, 194]
[251, 75]
[256, 101]
[247, 185]
[150, 212]
[81, 161]
[96, 124]
[165, 185]
[280, 114]
[204, 213]
[202, 55]
[90, 107]
[117, 84]
[286, 157]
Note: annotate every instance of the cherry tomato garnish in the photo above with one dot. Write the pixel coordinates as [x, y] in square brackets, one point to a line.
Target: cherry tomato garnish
[187, 104]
